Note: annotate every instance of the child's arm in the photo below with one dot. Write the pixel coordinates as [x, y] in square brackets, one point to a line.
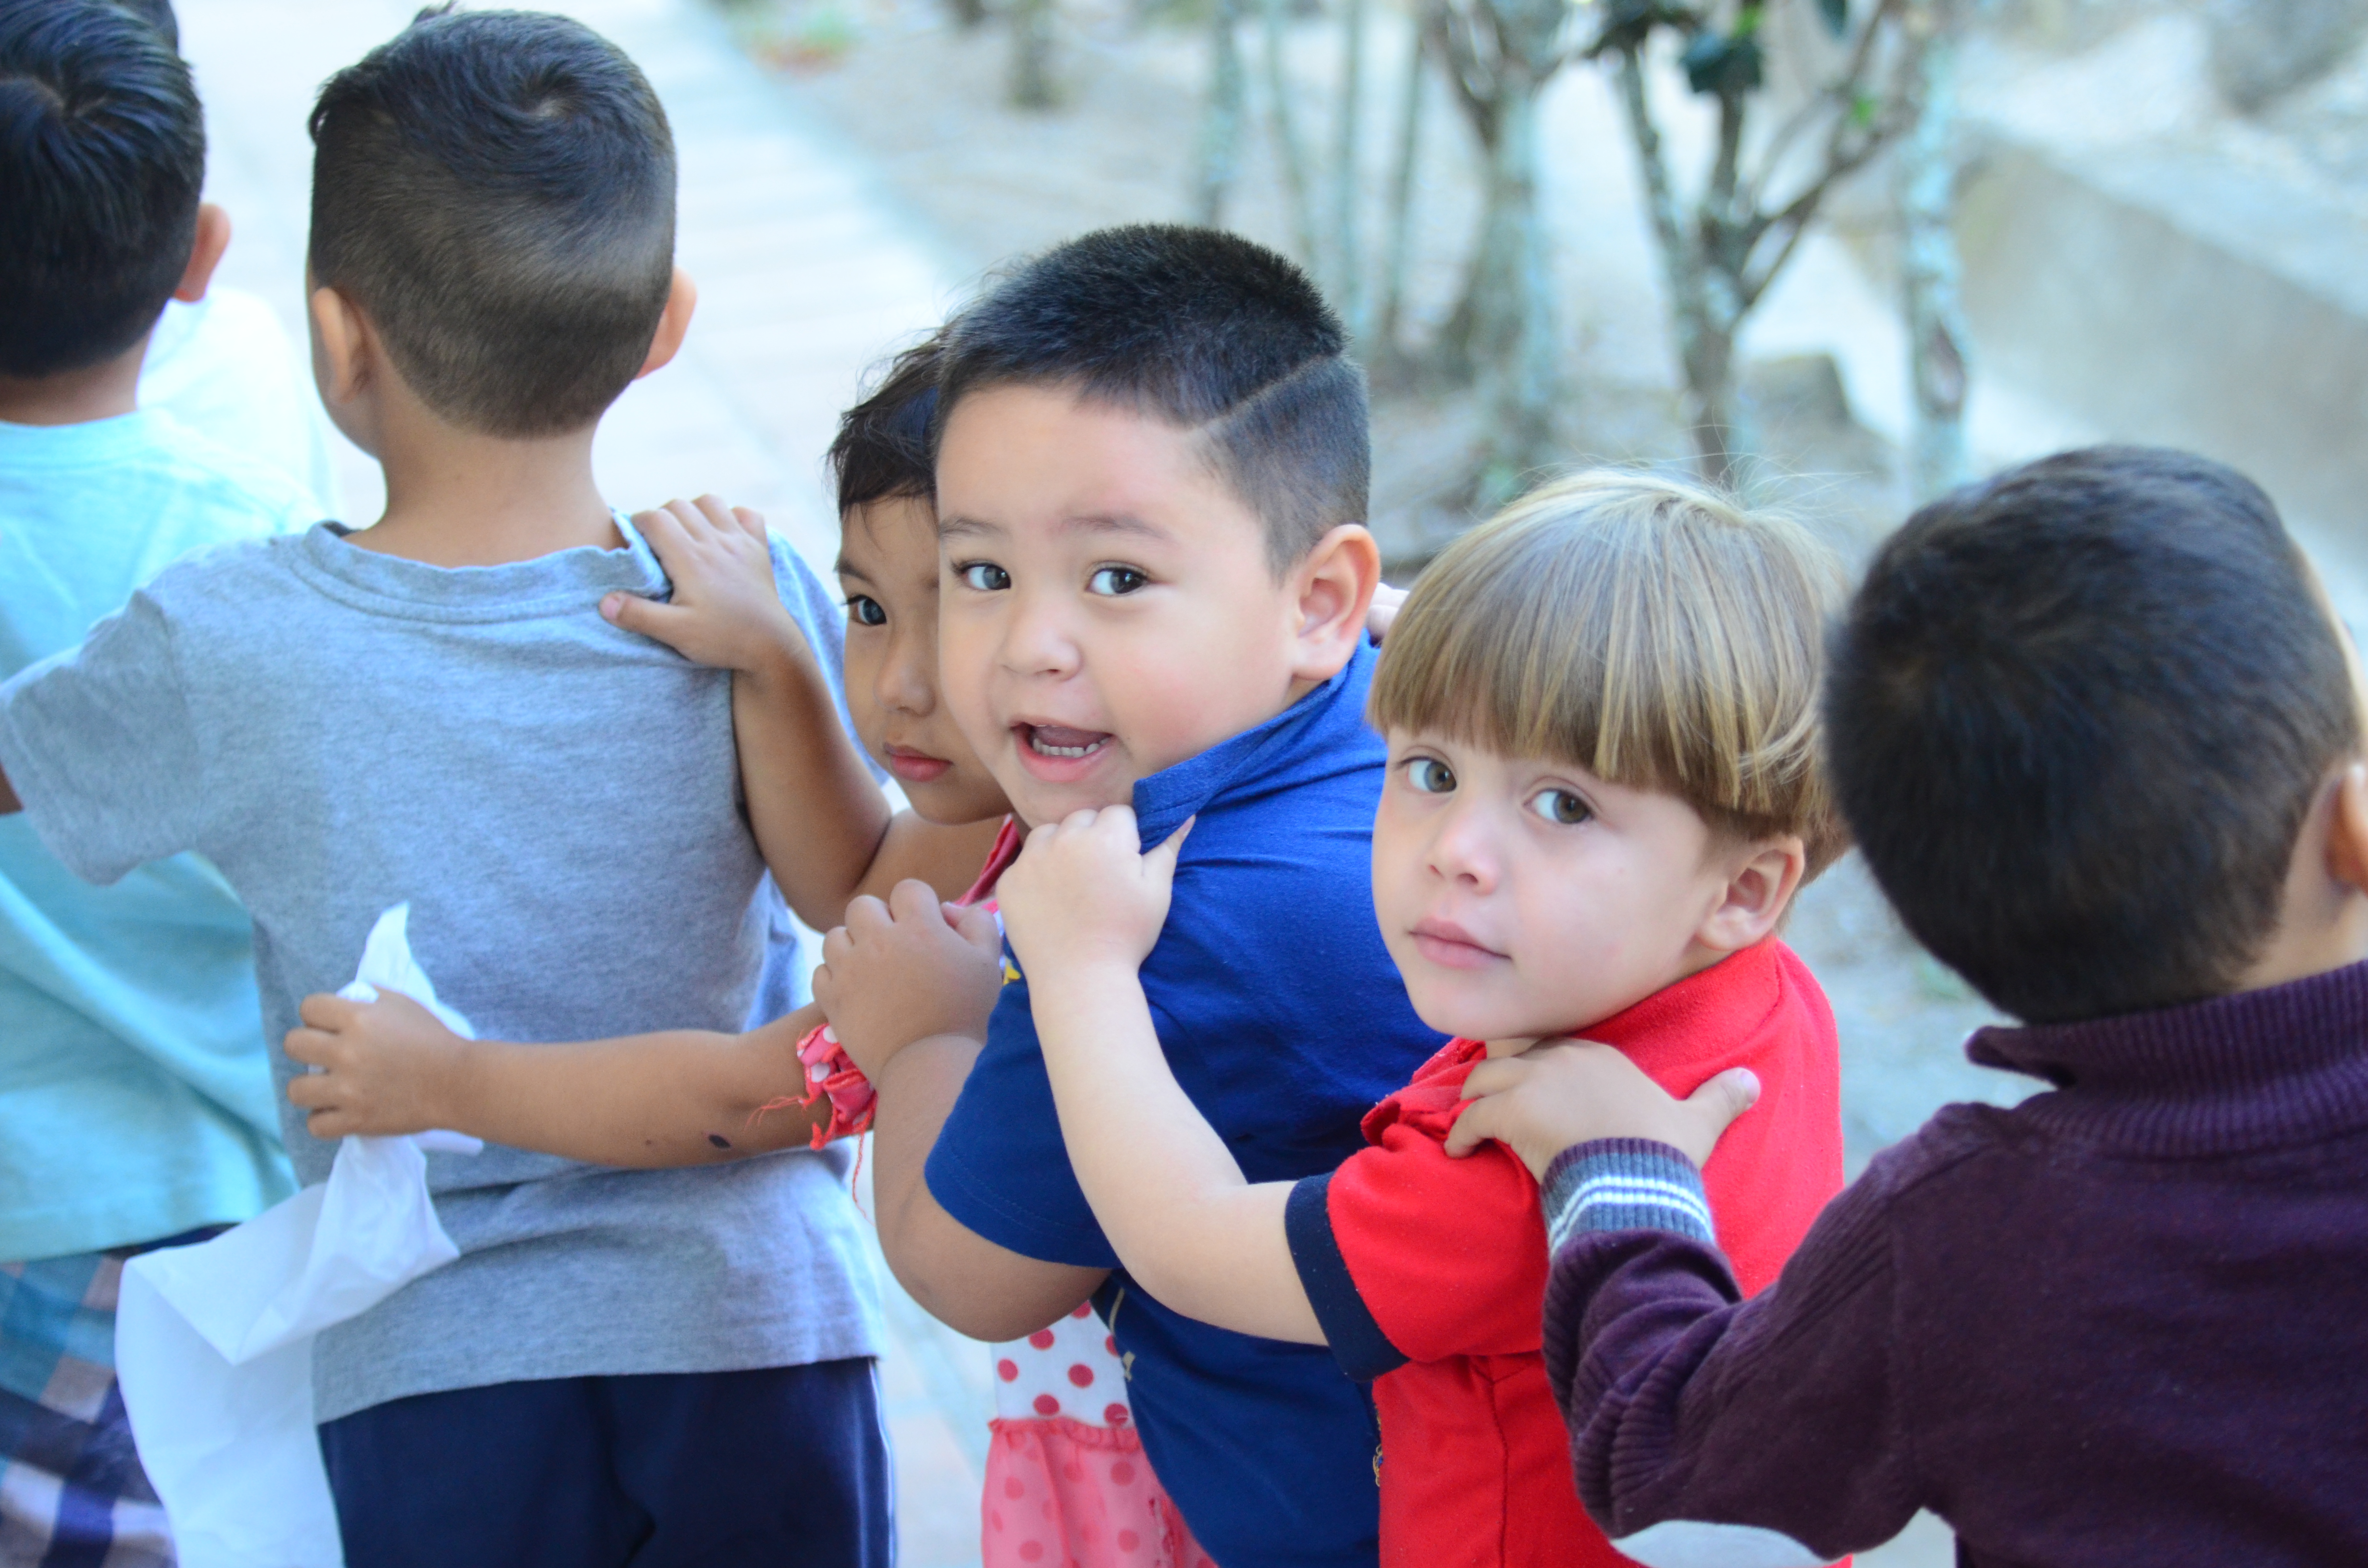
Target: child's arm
[1706, 1428]
[909, 985]
[819, 819]
[1084, 907]
[683, 1097]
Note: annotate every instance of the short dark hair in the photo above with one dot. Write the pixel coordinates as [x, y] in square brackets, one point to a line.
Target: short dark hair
[102, 160]
[1204, 331]
[882, 450]
[495, 190]
[2077, 716]
[157, 14]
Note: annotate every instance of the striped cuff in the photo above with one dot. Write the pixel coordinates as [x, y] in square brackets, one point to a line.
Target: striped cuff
[1624, 1184]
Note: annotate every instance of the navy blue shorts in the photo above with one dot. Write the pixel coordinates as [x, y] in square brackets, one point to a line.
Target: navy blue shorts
[712, 1470]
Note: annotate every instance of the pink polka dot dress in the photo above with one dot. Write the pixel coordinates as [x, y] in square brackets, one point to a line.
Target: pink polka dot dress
[1066, 1482]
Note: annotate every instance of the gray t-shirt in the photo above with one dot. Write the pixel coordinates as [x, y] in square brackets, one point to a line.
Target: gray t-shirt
[559, 801]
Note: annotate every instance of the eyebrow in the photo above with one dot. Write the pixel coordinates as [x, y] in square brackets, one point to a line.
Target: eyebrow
[1098, 523]
[846, 568]
[965, 528]
[1120, 523]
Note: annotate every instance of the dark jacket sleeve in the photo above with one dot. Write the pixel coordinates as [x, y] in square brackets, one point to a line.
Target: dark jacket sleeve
[1701, 1424]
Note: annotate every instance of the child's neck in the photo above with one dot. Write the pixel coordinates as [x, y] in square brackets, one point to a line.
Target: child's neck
[458, 498]
[75, 397]
[1697, 958]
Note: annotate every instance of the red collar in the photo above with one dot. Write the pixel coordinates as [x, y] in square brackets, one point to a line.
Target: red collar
[1697, 1019]
[1008, 845]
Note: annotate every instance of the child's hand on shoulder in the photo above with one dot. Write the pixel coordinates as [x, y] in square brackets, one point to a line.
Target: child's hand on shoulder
[906, 971]
[386, 1067]
[1556, 1096]
[1084, 893]
[726, 611]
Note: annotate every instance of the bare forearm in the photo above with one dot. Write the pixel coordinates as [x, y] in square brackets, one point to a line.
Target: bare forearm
[682, 1098]
[1169, 1193]
[946, 858]
[964, 1280]
[818, 818]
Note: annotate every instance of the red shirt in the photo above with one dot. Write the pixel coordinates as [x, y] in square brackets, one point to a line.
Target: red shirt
[1429, 1273]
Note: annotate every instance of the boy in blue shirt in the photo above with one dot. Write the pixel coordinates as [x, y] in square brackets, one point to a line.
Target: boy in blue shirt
[1151, 461]
[136, 1104]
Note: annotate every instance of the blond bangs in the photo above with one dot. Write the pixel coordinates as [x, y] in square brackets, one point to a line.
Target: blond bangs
[1650, 632]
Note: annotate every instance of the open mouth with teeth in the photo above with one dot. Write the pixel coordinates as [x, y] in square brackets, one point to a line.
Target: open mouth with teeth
[1060, 741]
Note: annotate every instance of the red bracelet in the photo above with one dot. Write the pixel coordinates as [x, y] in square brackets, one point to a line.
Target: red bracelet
[829, 1071]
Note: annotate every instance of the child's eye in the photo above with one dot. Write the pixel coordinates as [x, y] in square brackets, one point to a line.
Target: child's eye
[1430, 775]
[983, 576]
[1561, 806]
[1114, 581]
[865, 611]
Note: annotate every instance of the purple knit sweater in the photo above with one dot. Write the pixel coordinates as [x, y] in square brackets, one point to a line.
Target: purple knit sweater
[2124, 1323]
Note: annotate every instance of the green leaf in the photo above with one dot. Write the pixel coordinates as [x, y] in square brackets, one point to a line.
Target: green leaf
[1837, 16]
[1862, 110]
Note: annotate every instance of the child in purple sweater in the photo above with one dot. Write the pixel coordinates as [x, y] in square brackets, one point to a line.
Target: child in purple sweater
[2099, 735]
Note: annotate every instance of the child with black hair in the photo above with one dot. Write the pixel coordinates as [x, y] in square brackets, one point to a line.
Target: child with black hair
[1150, 461]
[135, 1101]
[621, 1365]
[2100, 736]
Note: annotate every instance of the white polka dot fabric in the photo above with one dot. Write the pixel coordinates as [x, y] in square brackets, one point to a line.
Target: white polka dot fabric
[1071, 1369]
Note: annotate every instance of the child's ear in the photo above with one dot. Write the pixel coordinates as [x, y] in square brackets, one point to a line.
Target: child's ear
[2347, 836]
[1761, 878]
[344, 356]
[1334, 585]
[205, 253]
[682, 298]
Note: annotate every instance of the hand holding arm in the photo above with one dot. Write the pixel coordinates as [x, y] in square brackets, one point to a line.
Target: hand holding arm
[1557, 1096]
[908, 990]
[1084, 907]
[909, 970]
[817, 815]
[682, 1098]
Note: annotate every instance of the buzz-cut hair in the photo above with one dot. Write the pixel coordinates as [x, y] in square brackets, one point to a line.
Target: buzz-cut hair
[1203, 331]
[495, 190]
[102, 161]
[1652, 631]
[2079, 715]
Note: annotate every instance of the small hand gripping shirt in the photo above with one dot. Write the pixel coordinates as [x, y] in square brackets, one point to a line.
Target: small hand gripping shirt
[1429, 1273]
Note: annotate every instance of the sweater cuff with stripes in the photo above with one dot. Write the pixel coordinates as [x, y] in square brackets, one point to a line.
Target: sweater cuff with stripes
[1624, 1184]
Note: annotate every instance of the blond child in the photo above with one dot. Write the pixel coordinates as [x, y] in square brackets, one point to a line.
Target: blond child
[1603, 793]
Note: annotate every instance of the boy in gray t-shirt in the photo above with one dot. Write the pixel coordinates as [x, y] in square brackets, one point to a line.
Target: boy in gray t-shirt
[657, 1367]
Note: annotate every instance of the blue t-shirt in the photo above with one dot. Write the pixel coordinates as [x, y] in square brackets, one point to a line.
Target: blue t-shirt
[1285, 1020]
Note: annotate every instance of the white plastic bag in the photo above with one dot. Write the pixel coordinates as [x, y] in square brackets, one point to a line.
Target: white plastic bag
[213, 1343]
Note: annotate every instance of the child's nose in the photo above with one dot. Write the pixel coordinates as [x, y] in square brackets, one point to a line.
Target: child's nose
[907, 681]
[1466, 851]
[1038, 641]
